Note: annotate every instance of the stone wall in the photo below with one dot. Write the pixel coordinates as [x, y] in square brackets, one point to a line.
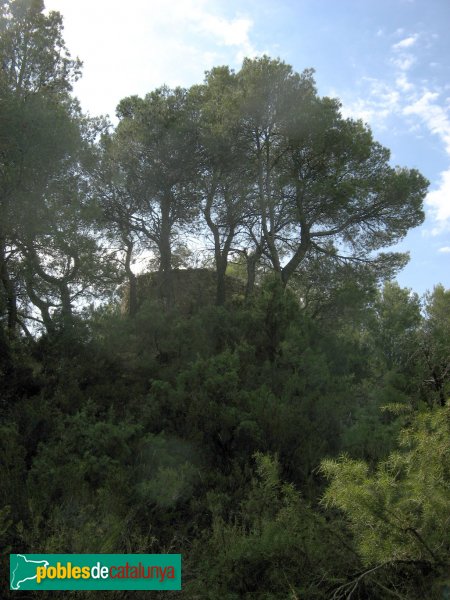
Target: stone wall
[192, 289]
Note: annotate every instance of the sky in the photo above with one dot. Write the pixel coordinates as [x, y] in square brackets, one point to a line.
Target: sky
[388, 61]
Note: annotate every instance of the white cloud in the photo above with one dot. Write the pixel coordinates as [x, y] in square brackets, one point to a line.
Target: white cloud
[419, 107]
[436, 119]
[445, 249]
[403, 84]
[234, 32]
[404, 62]
[434, 115]
[439, 202]
[406, 42]
[148, 43]
[381, 101]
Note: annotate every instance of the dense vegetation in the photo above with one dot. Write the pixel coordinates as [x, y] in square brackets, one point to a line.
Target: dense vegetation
[285, 428]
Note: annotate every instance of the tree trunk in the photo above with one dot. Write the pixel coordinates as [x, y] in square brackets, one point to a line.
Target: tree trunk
[10, 294]
[221, 267]
[43, 307]
[66, 303]
[165, 249]
[305, 243]
[132, 298]
[220, 254]
[132, 281]
[252, 261]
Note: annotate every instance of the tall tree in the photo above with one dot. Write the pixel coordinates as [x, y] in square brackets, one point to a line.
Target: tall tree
[223, 173]
[161, 137]
[35, 78]
[321, 180]
[120, 207]
[63, 259]
[435, 344]
[269, 92]
[396, 326]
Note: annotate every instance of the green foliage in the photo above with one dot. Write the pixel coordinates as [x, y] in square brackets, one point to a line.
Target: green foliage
[34, 56]
[435, 345]
[395, 325]
[90, 488]
[276, 546]
[372, 427]
[400, 512]
[13, 468]
[139, 435]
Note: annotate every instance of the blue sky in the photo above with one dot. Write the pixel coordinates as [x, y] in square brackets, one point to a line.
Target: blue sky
[388, 62]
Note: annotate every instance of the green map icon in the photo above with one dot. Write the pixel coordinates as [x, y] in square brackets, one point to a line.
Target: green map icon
[24, 569]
